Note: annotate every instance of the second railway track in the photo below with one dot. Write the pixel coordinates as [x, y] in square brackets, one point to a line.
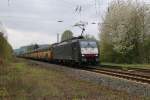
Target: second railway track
[122, 74]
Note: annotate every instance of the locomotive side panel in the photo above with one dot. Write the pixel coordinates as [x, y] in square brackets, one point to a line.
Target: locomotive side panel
[63, 52]
[76, 52]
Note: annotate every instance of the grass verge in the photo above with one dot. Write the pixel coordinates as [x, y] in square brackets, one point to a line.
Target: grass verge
[142, 66]
[23, 81]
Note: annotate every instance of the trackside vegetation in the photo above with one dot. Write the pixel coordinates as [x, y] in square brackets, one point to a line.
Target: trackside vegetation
[67, 34]
[125, 33]
[25, 80]
[126, 66]
[5, 49]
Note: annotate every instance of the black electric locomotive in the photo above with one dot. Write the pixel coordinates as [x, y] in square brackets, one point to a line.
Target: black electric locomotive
[76, 51]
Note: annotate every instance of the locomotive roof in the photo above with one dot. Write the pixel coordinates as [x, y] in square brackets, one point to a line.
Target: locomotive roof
[74, 39]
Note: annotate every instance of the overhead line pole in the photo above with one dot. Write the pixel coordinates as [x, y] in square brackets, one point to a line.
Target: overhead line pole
[57, 37]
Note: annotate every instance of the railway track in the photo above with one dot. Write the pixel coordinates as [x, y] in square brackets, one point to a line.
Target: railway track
[122, 74]
[127, 68]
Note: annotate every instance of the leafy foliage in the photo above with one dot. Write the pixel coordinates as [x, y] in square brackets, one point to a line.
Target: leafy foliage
[5, 49]
[32, 47]
[66, 35]
[125, 33]
[89, 37]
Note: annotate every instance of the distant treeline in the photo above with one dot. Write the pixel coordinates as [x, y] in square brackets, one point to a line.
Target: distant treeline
[5, 49]
[125, 32]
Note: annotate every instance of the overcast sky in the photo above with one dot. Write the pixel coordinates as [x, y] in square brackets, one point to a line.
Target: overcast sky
[35, 21]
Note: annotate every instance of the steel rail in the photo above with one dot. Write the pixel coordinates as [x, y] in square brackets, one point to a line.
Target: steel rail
[122, 74]
[147, 70]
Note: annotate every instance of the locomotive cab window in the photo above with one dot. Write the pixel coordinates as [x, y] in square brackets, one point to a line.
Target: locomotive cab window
[88, 44]
[88, 47]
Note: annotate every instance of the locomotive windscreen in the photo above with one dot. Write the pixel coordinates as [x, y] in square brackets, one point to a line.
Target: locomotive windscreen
[87, 44]
[89, 47]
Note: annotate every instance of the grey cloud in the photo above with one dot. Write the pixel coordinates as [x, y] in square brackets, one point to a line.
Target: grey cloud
[40, 17]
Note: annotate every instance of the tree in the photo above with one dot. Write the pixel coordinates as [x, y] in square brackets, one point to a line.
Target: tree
[32, 47]
[124, 32]
[89, 37]
[5, 49]
[66, 35]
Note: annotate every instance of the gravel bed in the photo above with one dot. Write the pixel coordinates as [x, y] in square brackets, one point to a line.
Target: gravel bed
[131, 87]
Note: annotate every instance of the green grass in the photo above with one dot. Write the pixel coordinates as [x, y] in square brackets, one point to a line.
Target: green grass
[24, 81]
[146, 66]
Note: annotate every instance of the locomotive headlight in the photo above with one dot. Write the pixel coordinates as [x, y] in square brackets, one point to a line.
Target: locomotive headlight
[83, 55]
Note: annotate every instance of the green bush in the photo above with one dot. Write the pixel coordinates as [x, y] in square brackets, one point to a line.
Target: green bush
[5, 49]
[124, 33]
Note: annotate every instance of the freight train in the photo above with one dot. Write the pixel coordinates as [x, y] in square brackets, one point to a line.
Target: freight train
[77, 50]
